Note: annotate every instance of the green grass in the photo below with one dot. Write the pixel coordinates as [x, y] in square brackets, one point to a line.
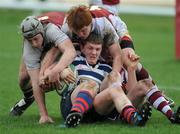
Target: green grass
[154, 42]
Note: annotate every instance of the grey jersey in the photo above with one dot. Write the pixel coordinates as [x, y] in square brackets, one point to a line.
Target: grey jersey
[107, 31]
[100, 25]
[53, 36]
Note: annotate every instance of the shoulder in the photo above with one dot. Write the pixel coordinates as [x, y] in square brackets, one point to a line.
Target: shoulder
[103, 23]
[54, 34]
[99, 12]
[79, 60]
[50, 28]
[104, 66]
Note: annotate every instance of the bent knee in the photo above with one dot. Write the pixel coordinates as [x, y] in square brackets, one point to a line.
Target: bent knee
[147, 83]
[143, 86]
[115, 92]
[24, 80]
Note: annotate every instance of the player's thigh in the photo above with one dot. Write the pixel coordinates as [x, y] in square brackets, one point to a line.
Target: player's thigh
[138, 93]
[24, 79]
[103, 103]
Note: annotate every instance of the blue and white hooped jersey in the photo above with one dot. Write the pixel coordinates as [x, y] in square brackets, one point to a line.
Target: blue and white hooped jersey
[85, 71]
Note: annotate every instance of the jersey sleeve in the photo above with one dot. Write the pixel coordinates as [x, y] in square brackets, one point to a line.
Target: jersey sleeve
[121, 27]
[66, 30]
[55, 35]
[31, 56]
[110, 35]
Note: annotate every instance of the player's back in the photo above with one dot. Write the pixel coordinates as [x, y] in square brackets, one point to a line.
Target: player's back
[56, 18]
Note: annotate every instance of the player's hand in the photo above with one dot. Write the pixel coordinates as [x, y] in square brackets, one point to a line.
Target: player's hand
[45, 119]
[52, 76]
[43, 83]
[46, 82]
[114, 76]
[133, 57]
[133, 61]
[130, 59]
[67, 75]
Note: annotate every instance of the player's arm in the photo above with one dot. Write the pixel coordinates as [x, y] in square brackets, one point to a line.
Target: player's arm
[39, 96]
[131, 66]
[68, 54]
[65, 46]
[122, 31]
[31, 58]
[49, 59]
[115, 51]
[125, 40]
[47, 63]
[112, 42]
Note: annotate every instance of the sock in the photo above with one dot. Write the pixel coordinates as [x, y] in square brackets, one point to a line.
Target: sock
[83, 102]
[158, 101]
[127, 113]
[142, 74]
[28, 94]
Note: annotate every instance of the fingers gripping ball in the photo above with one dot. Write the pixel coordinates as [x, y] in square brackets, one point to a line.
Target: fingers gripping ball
[64, 86]
[65, 72]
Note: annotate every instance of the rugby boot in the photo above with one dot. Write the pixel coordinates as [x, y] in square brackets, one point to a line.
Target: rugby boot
[73, 119]
[175, 119]
[21, 106]
[142, 116]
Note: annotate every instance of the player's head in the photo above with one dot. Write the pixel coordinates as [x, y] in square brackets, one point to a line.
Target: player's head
[31, 26]
[33, 31]
[79, 20]
[92, 48]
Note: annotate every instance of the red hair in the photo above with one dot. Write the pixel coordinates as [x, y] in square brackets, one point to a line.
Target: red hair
[78, 17]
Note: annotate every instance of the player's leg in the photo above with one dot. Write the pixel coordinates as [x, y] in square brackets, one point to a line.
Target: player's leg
[159, 102]
[65, 104]
[82, 100]
[26, 88]
[142, 74]
[111, 98]
[154, 96]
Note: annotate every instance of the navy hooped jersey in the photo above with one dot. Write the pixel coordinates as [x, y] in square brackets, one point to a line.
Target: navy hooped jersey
[86, 71]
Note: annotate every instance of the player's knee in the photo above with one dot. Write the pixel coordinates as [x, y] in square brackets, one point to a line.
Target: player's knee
[24, 80]
[90, 86]
[145, 85]
[115, 92]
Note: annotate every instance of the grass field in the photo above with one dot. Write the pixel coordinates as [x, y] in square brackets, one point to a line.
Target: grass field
[154, 42]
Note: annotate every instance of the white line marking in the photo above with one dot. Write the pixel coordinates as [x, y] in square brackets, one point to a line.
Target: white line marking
[161, 87]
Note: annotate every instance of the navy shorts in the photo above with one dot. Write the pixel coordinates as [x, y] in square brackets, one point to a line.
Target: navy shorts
[90, 116]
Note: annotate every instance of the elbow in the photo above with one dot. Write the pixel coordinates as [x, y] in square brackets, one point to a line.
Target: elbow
[118, 58]
[73, 53]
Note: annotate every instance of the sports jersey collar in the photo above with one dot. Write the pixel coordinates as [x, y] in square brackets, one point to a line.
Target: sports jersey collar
[94, 65]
